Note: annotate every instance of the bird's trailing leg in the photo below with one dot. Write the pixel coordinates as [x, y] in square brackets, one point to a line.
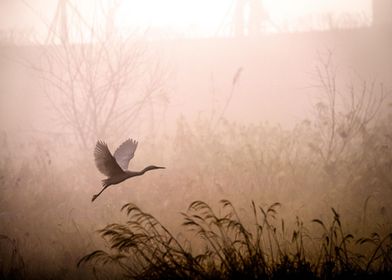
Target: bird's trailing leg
[105, 185]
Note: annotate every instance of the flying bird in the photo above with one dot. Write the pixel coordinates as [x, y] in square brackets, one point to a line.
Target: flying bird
[115, 166]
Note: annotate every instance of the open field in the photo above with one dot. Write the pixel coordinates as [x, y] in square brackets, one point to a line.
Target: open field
[269, 174]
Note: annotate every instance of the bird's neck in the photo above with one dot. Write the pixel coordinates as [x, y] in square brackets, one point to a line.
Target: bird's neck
[136, 173]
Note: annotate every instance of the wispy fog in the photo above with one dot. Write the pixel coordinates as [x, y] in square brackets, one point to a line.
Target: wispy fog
[272, 121]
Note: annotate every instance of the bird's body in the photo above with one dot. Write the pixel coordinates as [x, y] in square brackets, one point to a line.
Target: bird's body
[115, 166]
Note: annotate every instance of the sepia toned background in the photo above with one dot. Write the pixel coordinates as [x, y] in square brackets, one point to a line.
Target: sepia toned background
[265, 101]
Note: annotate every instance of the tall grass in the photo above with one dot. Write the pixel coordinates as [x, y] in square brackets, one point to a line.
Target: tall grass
[263, 162]
[12, 265]
[344, 163]
[46, 204]
[224, 246]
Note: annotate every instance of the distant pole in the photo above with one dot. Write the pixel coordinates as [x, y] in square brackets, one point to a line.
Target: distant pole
[249, 24]
[59, 26]
[245, 18]
[239, 26]
[257, 16]
[110, 18]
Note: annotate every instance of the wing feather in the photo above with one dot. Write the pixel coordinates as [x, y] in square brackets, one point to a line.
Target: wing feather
[104, 160]
[125, 153]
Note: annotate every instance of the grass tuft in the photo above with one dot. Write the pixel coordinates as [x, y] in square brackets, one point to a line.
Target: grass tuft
[230, 248]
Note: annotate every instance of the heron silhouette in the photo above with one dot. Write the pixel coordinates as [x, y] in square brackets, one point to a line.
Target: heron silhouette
[115, 166]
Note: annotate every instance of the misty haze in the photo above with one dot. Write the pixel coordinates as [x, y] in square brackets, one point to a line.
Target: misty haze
[184, 139]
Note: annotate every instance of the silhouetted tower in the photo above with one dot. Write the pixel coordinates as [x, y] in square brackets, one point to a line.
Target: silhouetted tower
[68, 19]
[249, 16]
[59, 26]
[257, 16]
[110, 18]
[239, 14]
[382, 13]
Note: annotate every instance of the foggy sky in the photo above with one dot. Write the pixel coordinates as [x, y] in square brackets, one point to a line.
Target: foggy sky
[201, 16]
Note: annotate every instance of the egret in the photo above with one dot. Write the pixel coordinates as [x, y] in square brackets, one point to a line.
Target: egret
[115, 166]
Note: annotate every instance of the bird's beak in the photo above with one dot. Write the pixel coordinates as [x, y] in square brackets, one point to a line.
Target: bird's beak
[161, 167]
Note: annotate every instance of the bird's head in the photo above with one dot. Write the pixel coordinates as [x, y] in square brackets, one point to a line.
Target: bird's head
[152, 167]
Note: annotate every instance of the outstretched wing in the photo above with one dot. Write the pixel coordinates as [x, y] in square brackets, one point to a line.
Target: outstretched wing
[104, 160]
[125, 153]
